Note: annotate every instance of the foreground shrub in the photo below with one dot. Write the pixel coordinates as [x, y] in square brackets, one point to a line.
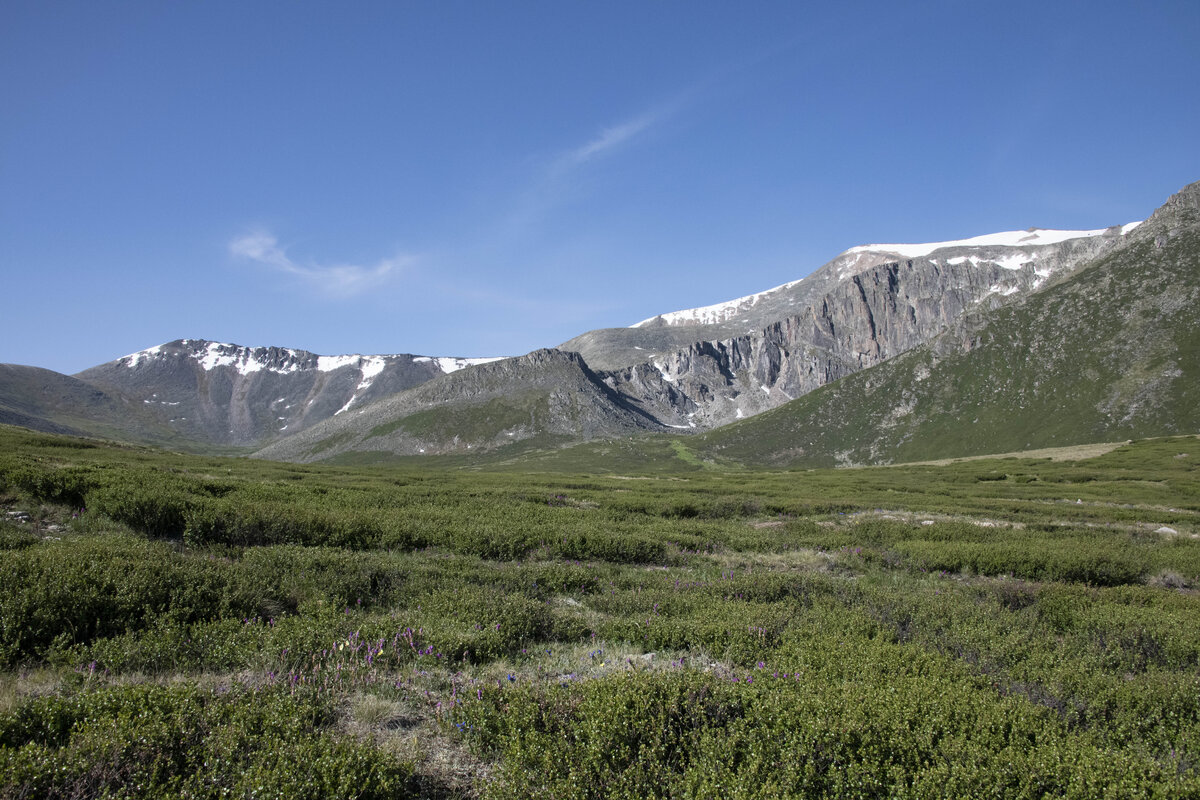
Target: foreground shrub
[185, 741]
[63, 593]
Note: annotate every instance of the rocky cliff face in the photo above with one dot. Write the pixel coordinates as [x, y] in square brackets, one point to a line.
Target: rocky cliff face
[867, 316]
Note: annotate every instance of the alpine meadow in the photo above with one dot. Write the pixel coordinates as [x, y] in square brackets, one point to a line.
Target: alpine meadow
[189, 626]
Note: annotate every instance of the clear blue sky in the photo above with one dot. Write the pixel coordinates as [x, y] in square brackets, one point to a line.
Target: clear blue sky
[485, 178]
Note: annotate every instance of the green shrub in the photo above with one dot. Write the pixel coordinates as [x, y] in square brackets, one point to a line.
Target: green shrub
[183, 741]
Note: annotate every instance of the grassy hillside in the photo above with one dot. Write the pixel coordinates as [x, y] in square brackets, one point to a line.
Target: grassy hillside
[183, 625]
[49, 401]
[544, 398]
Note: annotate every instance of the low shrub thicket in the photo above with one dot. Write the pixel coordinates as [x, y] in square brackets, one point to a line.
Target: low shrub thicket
[1010, 629]
[185, 741]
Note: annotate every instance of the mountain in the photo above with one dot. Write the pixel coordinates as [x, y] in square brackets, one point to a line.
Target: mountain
[992, 266]
[49, 401]
[194, 394]
[227, 394]
[1110, 353]
[547, 397]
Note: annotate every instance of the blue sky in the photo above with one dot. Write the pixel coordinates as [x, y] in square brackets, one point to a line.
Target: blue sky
[477, 179]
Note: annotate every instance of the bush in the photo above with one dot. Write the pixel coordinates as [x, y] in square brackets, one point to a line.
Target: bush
[183, 741]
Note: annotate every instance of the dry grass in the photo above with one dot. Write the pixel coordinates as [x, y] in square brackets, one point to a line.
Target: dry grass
[410, 730]
[15, 688]
[802, 560]
[1169, 579]
[1078, 452]
[918, 518]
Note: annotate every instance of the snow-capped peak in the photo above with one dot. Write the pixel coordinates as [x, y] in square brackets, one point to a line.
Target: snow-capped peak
[210, 355]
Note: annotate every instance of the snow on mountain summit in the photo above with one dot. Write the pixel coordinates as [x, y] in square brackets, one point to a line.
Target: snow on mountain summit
[1033, 237]
[718, 312]
[856, 259]
[451, 364]
[283, 360]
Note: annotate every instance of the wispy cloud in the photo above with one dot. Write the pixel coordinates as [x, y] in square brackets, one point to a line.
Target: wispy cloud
[611, 138]
[563, 176]
[337, 280]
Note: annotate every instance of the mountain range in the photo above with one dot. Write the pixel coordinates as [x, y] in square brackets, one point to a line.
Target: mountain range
[888, 352]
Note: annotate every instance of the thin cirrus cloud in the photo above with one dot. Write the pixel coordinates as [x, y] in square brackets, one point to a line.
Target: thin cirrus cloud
[338, 280]
[557, 181]
[613, 137]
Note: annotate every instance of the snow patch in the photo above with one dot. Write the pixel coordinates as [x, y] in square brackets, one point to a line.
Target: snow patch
[330, 363]
[134, 358]
[1128, 226]
[1010, 262]
[224, 355]
[1032, 237]
[449, 364]
[718, 312]
[1013, 262]
[371, 367]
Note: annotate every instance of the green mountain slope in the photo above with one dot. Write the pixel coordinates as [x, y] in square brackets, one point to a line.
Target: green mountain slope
[544, 398]
[1112, 353]
[48, 401]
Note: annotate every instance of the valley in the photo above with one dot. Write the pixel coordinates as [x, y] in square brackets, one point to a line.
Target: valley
[1020, 626]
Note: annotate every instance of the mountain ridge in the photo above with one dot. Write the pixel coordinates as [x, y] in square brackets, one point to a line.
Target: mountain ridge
[687, 371]
[873, 312]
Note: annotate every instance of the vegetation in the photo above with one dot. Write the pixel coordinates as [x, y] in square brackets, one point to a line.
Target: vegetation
[207, 627]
